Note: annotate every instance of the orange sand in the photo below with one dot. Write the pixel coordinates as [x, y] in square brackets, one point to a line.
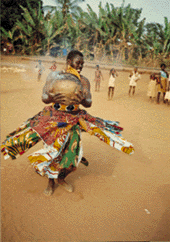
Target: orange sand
[117, 197]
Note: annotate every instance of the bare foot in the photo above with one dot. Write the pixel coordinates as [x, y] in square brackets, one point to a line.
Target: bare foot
[50, 188]
[65, 185]
[84, 161]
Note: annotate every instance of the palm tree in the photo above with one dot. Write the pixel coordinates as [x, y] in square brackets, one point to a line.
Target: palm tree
[66, 6]
[53, 27]
[95, 30]
[164, 36]
[31, 29]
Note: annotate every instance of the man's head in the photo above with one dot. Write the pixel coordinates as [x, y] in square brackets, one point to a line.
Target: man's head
[97, 67]
[135, 69]
[163, 66]
[76, 60]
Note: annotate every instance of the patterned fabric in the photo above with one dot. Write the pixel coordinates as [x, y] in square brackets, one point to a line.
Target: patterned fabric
[163, 82]
[69, 108]
[66, 153]
[61, 134]
[19, 141]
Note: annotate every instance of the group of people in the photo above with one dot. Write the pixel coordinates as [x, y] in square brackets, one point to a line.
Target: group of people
[159, 83]
[133, 77]
[60, 124]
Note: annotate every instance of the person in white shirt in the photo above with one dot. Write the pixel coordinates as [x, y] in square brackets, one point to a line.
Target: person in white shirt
[111, 86]
[40, 68]
[134, 77]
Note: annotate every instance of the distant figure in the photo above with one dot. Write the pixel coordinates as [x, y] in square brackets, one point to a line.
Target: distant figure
[111, 86]
[40, 69]
[162, 82]
[134, 77]
[167, 95]
[53, 67]
[98, 75]
[152, 86]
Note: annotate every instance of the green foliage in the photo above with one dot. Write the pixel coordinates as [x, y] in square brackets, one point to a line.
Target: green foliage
[11, 11]
[115, 32]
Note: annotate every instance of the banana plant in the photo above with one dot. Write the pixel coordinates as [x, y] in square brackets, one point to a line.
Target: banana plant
[8, 36]
[65, 6]
[164, 36]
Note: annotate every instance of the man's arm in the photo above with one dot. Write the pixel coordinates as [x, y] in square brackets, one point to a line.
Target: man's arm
[160, 80]
[87, 100]
[101, 75]
[47, 97]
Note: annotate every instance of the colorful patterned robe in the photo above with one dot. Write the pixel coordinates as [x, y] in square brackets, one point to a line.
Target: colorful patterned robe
[60, 132]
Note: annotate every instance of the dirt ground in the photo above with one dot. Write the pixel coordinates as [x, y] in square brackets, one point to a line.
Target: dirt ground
[117, 197]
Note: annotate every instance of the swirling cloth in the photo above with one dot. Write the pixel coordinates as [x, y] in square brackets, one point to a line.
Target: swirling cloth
[60, 132]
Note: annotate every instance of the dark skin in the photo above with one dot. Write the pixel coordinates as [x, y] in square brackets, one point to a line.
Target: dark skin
[98, 74]
[158, 96]
[76, 63]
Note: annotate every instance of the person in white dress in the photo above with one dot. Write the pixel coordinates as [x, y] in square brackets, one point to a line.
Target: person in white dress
[134, 77]
[152, 86]
[111, 86]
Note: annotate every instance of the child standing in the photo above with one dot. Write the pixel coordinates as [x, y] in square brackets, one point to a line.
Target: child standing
[134, 77]
[152, 86]
[111, 86]
[98, 75]
[40, 69]
[60, 125]
[162, 82]
[53, 67]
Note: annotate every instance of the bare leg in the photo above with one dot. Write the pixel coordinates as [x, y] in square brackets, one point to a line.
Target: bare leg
[50, 188]
[133, 90]
[112, 92]
[62, 182]
[39, 77]
[109, 93]
[158, 96]
[164, 98]
[130, 90]
[96, 86]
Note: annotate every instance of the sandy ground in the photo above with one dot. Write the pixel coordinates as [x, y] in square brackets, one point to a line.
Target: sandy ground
[117, 197]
